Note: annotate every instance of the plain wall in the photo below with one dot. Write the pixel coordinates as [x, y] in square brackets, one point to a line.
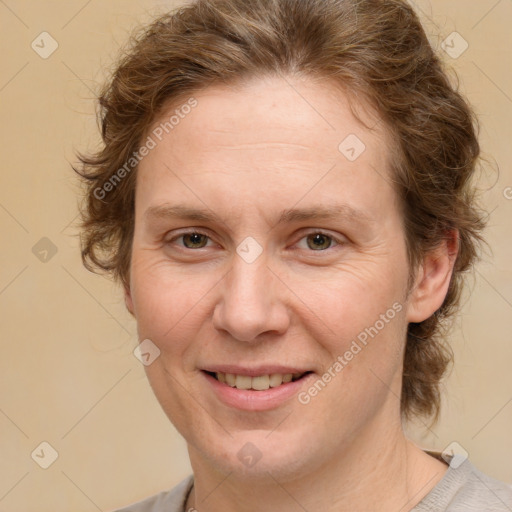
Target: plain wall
[67, 372]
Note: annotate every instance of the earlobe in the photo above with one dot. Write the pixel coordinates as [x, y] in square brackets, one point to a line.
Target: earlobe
[433, 279]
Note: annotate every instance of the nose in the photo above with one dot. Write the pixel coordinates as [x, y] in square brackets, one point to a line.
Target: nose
[252, 302]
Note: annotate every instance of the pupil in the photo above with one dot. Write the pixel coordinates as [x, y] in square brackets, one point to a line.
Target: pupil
[320, 240]
[195, 238]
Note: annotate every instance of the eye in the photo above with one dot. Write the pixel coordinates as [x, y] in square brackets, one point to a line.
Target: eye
[315, 241]
[191, 240]
[319, 241]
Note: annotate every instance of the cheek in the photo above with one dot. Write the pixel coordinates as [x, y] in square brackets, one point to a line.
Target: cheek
[167, 300]
[353, 296]
[365, 350]
[357, 312]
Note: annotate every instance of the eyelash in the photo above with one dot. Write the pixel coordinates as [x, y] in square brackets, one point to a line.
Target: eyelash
[199, 232]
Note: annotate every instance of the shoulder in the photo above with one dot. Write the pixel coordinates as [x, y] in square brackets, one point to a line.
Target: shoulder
[483, 493]
[466, 489]
[167, 501]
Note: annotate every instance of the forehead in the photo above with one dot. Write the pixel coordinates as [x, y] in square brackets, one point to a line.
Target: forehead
[276, 111]
[273, 134]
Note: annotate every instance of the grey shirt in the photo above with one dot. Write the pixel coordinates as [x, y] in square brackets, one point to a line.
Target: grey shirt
[463, 488]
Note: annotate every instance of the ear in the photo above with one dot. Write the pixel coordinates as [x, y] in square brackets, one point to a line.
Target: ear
[128, 300]
[433, 279]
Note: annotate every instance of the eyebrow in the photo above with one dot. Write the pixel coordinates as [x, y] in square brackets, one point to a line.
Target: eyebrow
[336, 211]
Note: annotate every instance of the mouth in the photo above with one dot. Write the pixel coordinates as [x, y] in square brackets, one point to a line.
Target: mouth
[257, 382]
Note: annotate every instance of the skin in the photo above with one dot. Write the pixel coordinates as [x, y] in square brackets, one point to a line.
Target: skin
[246, 154]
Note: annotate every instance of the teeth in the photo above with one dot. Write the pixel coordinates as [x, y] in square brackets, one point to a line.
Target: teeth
[230, 379]
[276, 379]
[259, 383]
[243, 382]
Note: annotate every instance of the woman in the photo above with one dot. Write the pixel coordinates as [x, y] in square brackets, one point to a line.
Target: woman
[284, 193]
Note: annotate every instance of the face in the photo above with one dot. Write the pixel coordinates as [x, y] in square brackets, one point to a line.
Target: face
[267, 244]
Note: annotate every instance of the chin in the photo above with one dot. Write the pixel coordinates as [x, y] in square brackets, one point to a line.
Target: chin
[259, 455]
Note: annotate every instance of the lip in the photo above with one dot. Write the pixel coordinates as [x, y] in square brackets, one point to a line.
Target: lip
[254, 371]
[250, 400]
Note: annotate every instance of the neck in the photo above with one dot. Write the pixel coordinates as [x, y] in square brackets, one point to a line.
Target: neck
[380, 470]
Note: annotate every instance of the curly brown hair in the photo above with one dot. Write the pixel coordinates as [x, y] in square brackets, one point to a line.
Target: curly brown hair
[375, 49]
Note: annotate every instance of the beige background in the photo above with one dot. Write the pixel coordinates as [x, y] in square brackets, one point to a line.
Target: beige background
[67, 372]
